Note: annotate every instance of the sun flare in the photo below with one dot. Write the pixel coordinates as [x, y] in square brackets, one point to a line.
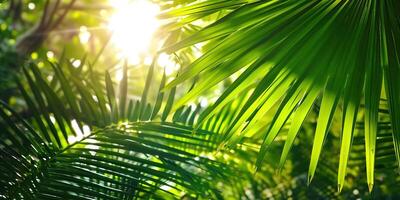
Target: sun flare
[133, 24]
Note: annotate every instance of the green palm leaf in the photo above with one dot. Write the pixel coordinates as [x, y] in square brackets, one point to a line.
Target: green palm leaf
[289, 49]
[55, 156]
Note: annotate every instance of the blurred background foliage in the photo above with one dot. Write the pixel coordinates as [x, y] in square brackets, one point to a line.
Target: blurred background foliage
[76, 30]
[74, 36]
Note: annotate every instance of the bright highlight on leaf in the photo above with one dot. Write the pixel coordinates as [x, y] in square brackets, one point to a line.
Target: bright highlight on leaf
[133, 25]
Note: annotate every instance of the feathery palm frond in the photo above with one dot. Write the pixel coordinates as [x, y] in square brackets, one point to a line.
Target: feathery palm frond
[295, 52]
[79, 144]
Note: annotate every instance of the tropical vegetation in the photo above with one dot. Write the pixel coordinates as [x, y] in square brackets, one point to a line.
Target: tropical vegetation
[231, 99]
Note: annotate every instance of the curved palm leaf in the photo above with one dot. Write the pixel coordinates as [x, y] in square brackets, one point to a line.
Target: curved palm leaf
[293, 51]
[54, 154]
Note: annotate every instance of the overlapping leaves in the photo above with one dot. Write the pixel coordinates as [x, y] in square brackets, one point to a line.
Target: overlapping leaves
[297, 52]
[53, 153]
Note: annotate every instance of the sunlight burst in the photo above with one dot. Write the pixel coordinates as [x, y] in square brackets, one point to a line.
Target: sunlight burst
[133, 25]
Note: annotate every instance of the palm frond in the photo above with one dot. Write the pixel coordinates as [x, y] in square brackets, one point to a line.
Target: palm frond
[293, 53]
[98, 146]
